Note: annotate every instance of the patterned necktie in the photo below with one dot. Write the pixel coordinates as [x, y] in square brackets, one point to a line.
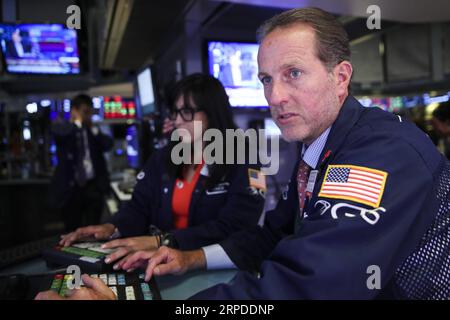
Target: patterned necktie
[302, 182]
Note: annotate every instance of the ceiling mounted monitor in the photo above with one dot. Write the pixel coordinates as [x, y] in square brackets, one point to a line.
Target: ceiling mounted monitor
[235, 65]
[39, 49]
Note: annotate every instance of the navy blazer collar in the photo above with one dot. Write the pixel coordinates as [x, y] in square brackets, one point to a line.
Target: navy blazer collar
[349, 114]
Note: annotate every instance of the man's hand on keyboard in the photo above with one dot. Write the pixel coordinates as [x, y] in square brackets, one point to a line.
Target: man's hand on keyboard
[126, 246]
[165, 261]
[94, 289]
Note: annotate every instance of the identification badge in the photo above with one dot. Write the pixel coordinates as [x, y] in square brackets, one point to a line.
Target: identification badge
[311, 180]
[218, 189]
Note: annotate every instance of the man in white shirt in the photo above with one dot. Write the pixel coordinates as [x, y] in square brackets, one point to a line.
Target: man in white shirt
[81, 178]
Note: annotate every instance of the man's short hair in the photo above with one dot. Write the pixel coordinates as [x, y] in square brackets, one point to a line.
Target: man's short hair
[81, 99]
[332, 44]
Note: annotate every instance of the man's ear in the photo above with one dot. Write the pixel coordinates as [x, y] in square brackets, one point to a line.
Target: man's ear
[343, 74]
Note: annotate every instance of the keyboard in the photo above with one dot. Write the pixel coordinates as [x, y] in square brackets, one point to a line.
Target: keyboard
[89, 256]
[25, 251]
[126, 286]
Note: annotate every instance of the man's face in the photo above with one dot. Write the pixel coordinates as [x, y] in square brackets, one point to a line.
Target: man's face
[301, 93]
[83, 113]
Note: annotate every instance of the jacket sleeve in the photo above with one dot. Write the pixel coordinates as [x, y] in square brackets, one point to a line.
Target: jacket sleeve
[134, 218]
[103, 141]
[248, 248]
[62, 130]
[333, 256]
[243, 209]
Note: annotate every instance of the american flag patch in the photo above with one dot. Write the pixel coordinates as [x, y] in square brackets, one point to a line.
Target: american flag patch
[257, 179]
[359, 184]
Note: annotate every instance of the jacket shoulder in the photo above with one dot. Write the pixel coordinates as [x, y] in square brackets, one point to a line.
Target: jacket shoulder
[382, 134]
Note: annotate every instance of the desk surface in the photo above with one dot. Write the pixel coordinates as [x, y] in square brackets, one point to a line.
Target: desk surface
[122, 196]
[185, 286]
[171, 287]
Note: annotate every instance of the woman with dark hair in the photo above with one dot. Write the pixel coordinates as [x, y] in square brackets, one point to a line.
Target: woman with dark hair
[188, 205]
[201, 98]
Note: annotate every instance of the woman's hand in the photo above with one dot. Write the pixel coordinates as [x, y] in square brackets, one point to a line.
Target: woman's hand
[168, 126]
[97, 232]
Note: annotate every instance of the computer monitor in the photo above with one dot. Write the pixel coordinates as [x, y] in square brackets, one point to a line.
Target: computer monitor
[145, 93]
[39, 49]
[118, 107]
[427, 99]
[235, 65]
[382, 103]
[396, 104]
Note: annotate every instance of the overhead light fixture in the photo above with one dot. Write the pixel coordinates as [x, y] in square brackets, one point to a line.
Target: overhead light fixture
[32, 107]
[116, 29]
[45, 103]
[66, 105]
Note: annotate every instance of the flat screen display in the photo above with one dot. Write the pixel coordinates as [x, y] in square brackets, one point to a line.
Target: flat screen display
[235, 65]
[39, 49]
[146, 92]
[118, 107]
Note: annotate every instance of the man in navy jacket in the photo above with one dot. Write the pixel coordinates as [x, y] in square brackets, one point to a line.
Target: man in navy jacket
[81, 177]
[374, 218]
[371, 218]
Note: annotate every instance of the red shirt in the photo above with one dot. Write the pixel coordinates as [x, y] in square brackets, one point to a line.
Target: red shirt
[181, 199]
